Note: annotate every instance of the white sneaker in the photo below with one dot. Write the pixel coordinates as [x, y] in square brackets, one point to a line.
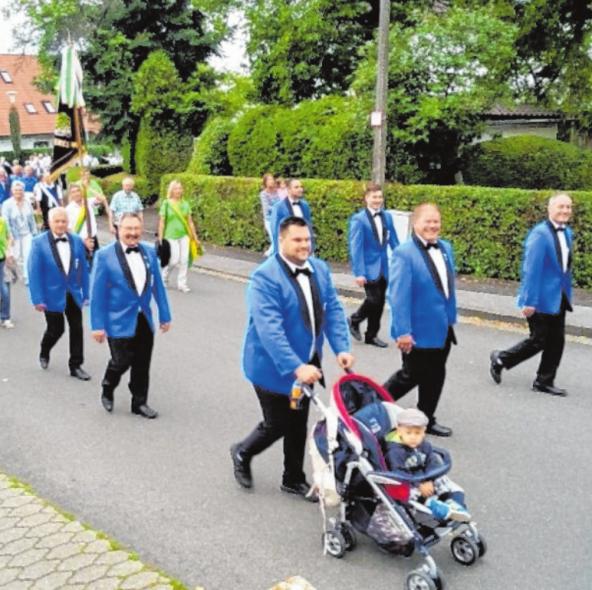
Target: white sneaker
[7, 324]
[185, 289]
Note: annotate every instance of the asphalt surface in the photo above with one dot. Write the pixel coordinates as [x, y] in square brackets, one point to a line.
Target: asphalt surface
[165, 487]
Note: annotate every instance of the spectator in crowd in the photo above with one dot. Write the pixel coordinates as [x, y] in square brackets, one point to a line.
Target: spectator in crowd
[48, 195]
[17, 172]
[282, 187]
[29, 180]
[176, 226]
[5, 258]
[4, 186]
[125, 201]
[18, 213]
[269, 197]
[545, 297]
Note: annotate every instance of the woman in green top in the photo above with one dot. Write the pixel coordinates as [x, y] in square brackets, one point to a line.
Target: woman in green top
[5, 257]
[176, 226]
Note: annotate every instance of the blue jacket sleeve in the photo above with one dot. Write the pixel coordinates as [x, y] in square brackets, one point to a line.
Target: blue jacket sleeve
[534, 252]
[336, 328]
[85, 271]
[356, 247]
[36, 274]
[267, 315]
[393, 237]
[400, 295]
[99, 292]
[274, 223]
[159, 291]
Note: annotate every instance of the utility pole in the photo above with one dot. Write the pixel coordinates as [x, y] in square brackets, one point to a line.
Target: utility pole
[379, 117]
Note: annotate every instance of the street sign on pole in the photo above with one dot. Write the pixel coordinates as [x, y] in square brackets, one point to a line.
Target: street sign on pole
[378, 119]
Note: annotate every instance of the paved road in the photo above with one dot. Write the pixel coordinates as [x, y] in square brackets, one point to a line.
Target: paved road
[165, 487]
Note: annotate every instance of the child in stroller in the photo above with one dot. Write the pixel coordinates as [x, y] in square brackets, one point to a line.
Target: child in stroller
[377, 500]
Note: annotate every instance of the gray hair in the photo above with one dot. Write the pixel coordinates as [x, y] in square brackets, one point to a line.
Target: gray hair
[55, 211]
[556, 196]
[129, 215]
[17, 184]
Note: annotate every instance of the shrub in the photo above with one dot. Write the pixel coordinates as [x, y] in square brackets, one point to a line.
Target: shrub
[160, 149]
[112, 184]
[527, 161]
[486, 225]
[210, 151]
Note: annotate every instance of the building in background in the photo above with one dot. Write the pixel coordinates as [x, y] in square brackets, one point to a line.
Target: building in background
[37, 111]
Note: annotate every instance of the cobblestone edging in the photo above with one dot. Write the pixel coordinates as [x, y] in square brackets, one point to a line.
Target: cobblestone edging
[41, 548]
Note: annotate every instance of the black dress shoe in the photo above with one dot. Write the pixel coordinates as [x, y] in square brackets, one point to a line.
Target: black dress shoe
[43, 362]
[436, 429]
[376, 341]
[145, 411]
[107, 403]
[550, 389]
[300, 489]
[80, 373]
[354, 330]
[242, 468]
[496, 366]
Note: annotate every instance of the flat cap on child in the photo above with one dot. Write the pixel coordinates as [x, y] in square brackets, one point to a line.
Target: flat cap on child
[412, 417]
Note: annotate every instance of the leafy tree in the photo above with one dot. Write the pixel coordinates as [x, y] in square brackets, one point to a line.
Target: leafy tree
[14, 124]
[444, 71]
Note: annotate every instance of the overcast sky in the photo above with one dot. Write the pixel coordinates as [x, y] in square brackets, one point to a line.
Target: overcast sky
[233, 56]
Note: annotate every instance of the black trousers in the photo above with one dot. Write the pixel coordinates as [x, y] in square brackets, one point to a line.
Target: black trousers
[547, 335]
[55, 329]
[372, 307]
[133, 353]
[280, 421]
[426, 369]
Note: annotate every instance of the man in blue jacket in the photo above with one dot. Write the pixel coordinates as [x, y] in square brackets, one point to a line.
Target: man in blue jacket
[422, 297]
[292, 304]
[545, 296]
[371, 232]
[58, 286]
[125, 277]
[292, 206]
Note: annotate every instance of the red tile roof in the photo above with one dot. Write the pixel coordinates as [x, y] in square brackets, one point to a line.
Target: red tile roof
[22, 70]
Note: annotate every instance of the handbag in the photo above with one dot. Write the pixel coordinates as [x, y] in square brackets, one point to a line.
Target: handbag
[163, 247]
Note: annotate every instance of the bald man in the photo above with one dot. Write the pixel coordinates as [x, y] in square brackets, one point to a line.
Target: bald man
[58, 287]
[423, 312]
[544, 297]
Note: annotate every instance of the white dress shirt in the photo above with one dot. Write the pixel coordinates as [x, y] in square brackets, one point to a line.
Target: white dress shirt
[437, 257]
[135, 261]
[63, 251]
[304, 282]
[297, 209]
[377, 222]
[563, 245]
[73, 211]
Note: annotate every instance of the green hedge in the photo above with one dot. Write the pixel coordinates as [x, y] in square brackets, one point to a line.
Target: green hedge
[159, 150]
[528, 161]
[486, 225]
[210, 151]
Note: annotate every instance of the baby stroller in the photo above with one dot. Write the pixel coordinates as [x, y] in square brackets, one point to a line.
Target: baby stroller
[351, 475]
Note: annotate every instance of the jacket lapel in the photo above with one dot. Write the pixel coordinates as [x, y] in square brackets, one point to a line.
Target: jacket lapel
[146, 260]
[127, 273]
[298, 291]
[55, 253]
[373, 225]
[431, 266]
[557, 244]
[316, 303]
[290, 208]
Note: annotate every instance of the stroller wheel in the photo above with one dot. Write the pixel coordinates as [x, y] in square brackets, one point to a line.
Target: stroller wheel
[349, 535]
[464, 550]
[482, 546]
[421, 580]
[334, 543]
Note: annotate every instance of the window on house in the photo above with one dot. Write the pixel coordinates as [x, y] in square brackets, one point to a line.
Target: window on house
[48, 106]
[30, 108]
[6, 76]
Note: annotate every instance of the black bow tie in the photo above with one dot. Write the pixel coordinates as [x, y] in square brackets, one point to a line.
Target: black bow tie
[295, 203]
[559, 229]
[377, 214]
[432, 245]
[56, 240]
[131, 249]
[304, 271]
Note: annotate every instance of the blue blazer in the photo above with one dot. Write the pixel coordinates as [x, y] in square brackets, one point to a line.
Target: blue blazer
[279, 336]
[4, 191]
[280, 211]
[49, 281]
[369, 258]
[114, 301]
[543, 278]
[418, 304]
